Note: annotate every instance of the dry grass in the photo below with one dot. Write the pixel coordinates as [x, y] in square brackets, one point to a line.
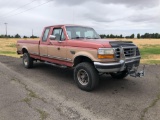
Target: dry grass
[143, 42]
[8, 47]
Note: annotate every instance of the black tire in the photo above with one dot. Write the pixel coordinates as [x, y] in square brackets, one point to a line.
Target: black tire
[119, 75]
[86, 76]
[27, 60]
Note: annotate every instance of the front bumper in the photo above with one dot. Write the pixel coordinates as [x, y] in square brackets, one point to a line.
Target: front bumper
[117, 66]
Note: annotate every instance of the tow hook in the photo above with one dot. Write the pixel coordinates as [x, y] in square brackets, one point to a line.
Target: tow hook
[135, 73]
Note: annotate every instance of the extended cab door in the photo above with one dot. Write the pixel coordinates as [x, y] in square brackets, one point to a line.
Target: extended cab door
[57, 48]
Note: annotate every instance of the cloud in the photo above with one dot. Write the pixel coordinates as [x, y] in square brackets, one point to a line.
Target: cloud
[134, 3]
[105, 16]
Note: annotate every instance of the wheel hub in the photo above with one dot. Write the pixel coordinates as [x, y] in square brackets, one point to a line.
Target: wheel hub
[25, 61]
[83, 77]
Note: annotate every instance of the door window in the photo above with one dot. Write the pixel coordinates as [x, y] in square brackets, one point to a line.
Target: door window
[58, 32]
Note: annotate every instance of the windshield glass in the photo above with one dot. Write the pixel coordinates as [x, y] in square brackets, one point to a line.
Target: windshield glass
[78, 32]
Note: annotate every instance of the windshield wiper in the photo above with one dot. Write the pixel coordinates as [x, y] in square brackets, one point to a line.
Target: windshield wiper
[84, 38]
[95, 38]
[92, 38]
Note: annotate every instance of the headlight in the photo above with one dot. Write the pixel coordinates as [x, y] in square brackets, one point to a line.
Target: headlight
[105, 53]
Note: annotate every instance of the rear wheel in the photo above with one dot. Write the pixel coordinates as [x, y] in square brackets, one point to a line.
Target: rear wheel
[86, 76]
[27, 60]
[119, 75]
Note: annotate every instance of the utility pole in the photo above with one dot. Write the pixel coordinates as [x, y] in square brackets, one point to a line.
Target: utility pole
[32, 32]
[6, 28]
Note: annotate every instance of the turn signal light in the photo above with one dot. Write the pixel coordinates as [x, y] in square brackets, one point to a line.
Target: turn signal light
[110, 56]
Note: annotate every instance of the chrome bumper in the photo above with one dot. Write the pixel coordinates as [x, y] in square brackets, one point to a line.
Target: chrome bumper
[117, 66]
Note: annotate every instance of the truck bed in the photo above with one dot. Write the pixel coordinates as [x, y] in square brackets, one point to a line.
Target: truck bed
[29, 41]
[31, 45]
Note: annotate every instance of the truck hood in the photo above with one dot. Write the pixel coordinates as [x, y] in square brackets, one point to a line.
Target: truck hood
[90, 43]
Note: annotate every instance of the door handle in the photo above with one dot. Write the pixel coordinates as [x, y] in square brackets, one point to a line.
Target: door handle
[50, 43]
[58, 48]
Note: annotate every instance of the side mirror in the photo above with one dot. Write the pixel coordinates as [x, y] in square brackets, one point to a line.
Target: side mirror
[52, 37]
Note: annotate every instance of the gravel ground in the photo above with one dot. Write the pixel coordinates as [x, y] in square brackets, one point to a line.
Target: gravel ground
[49, 93]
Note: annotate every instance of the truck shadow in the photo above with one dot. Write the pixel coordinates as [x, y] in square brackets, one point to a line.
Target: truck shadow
[64, 74]
[106, 83]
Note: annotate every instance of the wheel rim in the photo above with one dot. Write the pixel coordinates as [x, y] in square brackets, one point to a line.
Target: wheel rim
[25, 60]
[83, 77]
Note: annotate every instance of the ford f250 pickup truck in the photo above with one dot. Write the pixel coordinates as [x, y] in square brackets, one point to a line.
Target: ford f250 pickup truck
[81, 48]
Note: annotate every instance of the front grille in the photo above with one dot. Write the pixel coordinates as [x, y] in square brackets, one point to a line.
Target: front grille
[117, 53]
[128, 52]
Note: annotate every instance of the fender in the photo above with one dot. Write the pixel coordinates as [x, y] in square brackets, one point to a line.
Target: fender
[85, 54]
[24, 47]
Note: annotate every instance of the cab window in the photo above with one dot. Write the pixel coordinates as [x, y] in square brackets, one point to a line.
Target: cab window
[45, 35]
[58, 32]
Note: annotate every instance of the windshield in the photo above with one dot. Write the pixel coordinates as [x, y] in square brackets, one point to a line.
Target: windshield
[78, 32]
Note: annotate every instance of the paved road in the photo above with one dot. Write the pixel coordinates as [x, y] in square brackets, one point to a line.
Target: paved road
[49, 93]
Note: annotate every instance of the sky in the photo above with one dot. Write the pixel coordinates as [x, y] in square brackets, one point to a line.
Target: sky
[105, 16]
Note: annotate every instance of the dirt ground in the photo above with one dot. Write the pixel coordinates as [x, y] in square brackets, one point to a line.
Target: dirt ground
[49, 93]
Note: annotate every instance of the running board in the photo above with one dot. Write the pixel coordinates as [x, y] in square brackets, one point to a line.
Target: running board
[56, 65]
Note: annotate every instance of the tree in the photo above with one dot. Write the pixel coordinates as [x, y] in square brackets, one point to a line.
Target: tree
[128, 37]
[132, 36]
[107, 36]
[138, 36]
[153, 35]
[103, 36]
[25, 37]
[2, 36]
[17, 36]
[156, 35]
[111, 36]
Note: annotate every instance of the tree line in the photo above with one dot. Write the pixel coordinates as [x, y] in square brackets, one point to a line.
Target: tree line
[17, 36]
[149, 35]
[146, 35]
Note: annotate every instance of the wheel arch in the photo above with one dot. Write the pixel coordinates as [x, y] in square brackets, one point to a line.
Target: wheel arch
[82, 58]
[24, 50]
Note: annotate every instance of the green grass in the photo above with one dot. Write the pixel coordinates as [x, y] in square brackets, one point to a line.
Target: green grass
[7, 52]
[27, 100]
[157, 62]
[11, 45]
[43, 114]
[150, 50]
[147, 51]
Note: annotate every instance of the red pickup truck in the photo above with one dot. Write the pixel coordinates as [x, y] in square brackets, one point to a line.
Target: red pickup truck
[81, 48]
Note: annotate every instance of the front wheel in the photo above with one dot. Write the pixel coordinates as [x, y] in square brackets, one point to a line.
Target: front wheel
[86, 76]
[27, 60]
[119, 75]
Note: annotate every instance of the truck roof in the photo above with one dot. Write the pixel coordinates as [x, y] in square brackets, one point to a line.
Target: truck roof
[60, 25]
